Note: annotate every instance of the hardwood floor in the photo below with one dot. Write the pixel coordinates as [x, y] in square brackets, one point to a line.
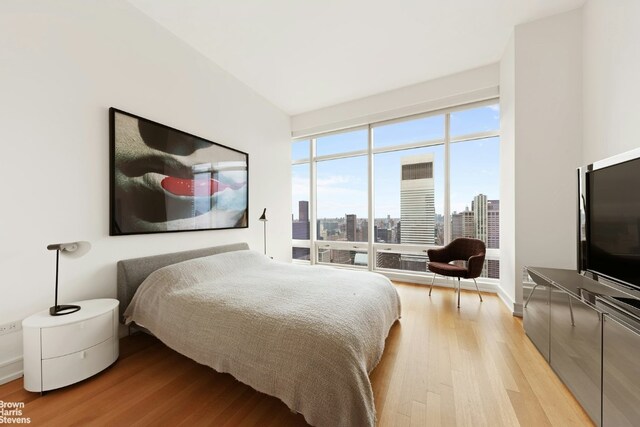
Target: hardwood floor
[441, 366]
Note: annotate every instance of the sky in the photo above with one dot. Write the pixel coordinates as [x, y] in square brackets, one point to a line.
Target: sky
[342, 184]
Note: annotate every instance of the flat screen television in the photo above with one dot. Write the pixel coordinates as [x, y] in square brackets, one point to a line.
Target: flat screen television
[612, 219]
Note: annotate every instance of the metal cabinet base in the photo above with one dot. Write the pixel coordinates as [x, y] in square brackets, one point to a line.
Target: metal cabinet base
[620, 372]
[536, 314]
[590, 343]
[575, 351]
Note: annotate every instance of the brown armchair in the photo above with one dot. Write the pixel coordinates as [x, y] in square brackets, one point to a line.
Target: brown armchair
[471, 251]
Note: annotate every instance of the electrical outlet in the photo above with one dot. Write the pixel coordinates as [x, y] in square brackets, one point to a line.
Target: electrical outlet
[8, 328]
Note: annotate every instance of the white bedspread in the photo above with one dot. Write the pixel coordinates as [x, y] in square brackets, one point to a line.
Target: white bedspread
[306, 335]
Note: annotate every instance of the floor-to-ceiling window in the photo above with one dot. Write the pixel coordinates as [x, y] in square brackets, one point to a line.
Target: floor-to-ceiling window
[377, 197]
[301, 195]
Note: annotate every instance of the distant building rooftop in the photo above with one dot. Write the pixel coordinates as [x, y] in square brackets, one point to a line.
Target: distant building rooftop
[361, 259]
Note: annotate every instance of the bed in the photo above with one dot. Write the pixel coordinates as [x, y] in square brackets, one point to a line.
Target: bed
[309, 336]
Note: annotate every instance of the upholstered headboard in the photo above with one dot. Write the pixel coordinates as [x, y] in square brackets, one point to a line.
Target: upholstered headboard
[132, 272]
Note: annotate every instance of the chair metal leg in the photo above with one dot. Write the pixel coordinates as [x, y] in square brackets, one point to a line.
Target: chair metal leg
[479, 294]
[459, 292]
[432, 279]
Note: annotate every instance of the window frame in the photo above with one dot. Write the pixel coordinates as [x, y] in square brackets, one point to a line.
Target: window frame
[372, 247]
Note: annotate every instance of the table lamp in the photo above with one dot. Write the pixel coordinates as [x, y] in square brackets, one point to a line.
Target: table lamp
[263, 218]
[72, 250]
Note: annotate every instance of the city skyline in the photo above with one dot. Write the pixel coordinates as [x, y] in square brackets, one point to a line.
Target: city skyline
[463, 224]
[482, 222]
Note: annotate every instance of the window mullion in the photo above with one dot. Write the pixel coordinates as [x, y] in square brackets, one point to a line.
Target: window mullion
[371, 220]
[447, 189]
[312, 199]
[409, 146]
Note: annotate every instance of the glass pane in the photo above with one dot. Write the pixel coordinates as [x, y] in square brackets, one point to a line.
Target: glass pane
[342, 142]
[492, 269]
[344, 257]
[342, 199]
[300, 201]
[475, 190]
[409, 196]
[300, 150]
[303, 254]
[396, 261]
[410, 131]
[481, 119]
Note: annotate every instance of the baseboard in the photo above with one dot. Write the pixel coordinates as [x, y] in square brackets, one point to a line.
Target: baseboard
[10, 370]
[440, 282]
[514, 308]
[518, 310]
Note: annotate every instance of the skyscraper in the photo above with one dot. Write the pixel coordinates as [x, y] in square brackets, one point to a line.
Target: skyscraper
[417, 208]
[303, 210]
[301, 230]
[463, 224]
[383, 235]
[362, 234]
[479, 208]
[352, 226]
[493, 224]
[493, 236]
[301, 227]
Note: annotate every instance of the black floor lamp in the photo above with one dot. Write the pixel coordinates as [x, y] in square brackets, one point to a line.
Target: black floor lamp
[72, 250]
[263, 218]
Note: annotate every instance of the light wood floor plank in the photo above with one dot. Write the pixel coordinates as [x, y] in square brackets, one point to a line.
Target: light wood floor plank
[433, 410]
[442, 366]
[418, 414]
[447, 406]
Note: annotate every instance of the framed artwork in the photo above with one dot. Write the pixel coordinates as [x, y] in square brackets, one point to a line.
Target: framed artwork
[166, 180]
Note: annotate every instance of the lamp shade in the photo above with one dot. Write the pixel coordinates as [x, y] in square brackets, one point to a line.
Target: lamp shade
[72, 249]
[263, 217]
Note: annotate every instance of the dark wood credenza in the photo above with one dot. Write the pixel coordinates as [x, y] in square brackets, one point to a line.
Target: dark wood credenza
[589, 332]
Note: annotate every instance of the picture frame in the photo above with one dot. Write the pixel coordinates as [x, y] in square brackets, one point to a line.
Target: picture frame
[166, 180]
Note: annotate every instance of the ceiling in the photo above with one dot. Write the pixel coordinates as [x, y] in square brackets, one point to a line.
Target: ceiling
[302, 55]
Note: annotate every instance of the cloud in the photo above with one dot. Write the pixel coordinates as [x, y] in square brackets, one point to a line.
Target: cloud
[337, 194]
[333, 185]
[341, 186]
[300, 188]
[334, 180]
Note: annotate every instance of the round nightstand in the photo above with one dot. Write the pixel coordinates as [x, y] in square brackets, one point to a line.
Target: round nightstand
[62, 350]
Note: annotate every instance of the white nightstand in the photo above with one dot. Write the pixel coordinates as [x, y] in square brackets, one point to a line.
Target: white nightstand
[62, 350]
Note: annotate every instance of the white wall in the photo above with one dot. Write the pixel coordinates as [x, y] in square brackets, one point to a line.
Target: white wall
[508, 276]
[611, 82]
[468, 86]
[544, 100]
[63, 64]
